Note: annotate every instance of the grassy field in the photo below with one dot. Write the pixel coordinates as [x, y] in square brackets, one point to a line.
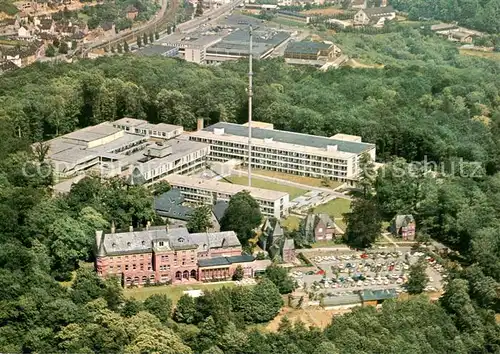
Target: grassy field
[174, 292]
[309, 181]
[260, 183]
[476, 53]
[291, 222]
[334, 208]
[287, 22]
[326, 244]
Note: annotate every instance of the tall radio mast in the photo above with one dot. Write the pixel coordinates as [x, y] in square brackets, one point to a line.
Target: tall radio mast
[250, 94]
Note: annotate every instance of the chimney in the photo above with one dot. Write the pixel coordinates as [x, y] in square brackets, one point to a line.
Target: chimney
[130, 228]
[98, 237]
[148, 225]
[113, 228]
[199, 124]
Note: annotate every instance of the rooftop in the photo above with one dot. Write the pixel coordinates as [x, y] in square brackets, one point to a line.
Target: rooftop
[93, 133]
[155, 50]
[291, 138]
[378, 11]
[169, 205]
[218, 261]
[179, 238]
[222, 187]
[372, 295]
[306, 47]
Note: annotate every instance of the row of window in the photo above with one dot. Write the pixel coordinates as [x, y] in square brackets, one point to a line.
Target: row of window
[244, 149]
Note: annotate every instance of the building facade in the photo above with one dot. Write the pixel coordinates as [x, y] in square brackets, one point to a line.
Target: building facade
[202, 191]
[336, 158]
[170, 256]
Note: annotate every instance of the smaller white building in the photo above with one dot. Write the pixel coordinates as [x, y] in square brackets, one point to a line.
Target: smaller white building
[374, 16]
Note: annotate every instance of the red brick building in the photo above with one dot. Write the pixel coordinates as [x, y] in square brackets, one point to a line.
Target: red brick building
[164, 256]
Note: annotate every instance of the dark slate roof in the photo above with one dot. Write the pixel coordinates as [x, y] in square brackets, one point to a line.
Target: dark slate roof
[212, 262]
[107, 26]
[306, 47]
[372, 295]
[169, 205]
[378, 11]
[7, 65]
[46, 23]
[291, 138]
[219, 209]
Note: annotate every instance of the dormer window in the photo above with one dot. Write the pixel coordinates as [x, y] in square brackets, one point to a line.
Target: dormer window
[128, 244]
[143, 243]
[113, 245]
[180, 239]
[160, 243]
[224, 243]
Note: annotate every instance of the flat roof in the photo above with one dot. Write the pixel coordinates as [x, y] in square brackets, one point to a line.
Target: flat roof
[222, 187]
[92, 133]
[306, 47]
[291, 138]
[219, 261]
[180, 148]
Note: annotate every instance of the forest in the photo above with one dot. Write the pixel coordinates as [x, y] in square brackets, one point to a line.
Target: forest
[482, 15]
[428, 103]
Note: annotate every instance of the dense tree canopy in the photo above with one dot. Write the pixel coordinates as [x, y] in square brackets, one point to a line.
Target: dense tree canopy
[242, 216]
[428, 102]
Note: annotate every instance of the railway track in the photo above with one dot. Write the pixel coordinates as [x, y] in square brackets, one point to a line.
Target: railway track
[159, 23]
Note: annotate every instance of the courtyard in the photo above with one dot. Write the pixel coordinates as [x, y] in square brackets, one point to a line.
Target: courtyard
[260, 183]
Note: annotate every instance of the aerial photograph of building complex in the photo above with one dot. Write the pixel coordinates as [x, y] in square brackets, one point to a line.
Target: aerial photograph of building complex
[243, 176]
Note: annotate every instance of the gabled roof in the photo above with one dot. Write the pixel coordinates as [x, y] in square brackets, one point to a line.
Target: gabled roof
[378, 11]
[219, 209]
[403, 220]
[107, 26]
[131, 8]
[7, 65]
[169, 205]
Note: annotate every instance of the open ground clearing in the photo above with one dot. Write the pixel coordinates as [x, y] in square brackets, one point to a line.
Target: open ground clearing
[313, 182]
[260, 183]
[323, 12]
[174, 292]
[477, 53]
[318, 317]
[335, 208]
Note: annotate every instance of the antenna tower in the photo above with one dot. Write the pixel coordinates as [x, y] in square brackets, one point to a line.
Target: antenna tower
[250, 94]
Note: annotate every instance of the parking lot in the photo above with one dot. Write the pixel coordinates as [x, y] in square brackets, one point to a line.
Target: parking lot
[350, 272]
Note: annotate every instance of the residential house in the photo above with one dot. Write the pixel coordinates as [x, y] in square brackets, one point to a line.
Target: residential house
[374, 16]
[108, 28]
[24, 33]
[321, 227]
[47, 38]
[132, 12]
[404, 226]
[358, 4]
[457, 36]
[171, 205]
[272, 240]
[7, 65]
[9, 26]
[47, 25]
[171, 256]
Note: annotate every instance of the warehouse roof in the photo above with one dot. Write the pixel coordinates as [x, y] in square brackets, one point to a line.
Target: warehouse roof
[372, 295]
[291, 138]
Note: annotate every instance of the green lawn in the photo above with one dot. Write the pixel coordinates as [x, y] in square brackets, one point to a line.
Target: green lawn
[174, 292]
[334, 208]
[260, 183]
[292, 222]
[327, 244]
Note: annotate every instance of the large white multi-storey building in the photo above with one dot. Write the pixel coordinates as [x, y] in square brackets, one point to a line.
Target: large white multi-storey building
[199, 190]
[336, 158]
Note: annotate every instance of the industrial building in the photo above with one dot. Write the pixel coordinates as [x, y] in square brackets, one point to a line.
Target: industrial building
[199, 190]
[336, 157]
